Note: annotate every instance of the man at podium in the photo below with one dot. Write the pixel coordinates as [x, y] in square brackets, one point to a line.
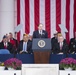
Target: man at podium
[40, 33]
[41, 45]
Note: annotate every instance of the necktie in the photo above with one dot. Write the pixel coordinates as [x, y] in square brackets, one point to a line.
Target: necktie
[24, 47]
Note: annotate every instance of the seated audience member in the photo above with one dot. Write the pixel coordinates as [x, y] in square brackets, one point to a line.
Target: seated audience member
[72, 44]
[25, 46]
[60, 47]
[40, 33]
[13, 41]
[5, 44]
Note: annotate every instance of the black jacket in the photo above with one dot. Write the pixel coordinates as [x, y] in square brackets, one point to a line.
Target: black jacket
[37, 35]
[72, 45]
[9, 46]
[29, 46]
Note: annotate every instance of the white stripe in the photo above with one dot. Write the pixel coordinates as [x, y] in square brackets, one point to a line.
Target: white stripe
[71, 18]
[42, 12]
[63, 14]
[22, 17]
[53, 16]
[31, 3]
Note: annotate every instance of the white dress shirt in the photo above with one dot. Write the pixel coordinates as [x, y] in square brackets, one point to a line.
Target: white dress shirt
[25, 46]
[61, 45]
[40, 32]
[5, 44]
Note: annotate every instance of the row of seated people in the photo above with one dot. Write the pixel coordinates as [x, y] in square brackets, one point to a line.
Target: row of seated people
[59, 44]
[14, 47]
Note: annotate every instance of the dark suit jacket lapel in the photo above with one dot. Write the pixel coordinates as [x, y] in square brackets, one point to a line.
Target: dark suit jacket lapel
[63, 46]
[59, 46]
[38, 34]
[22, 45]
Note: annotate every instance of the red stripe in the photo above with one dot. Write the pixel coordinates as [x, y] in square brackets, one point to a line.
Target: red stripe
[67, 18]
[27, 17]
[74, 16]
[36, 13]
[47, 16]
[58, 15]
[18, 17]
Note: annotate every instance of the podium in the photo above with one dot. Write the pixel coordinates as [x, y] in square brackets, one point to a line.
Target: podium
[42, 49]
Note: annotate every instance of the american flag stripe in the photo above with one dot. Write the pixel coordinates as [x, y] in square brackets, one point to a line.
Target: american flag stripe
[22, 17]
[18, 17]
[47, 16]
[52, 16]
[50, 13]
[36, 13]
[42, 12]
[71, 18]
[27, 16]
[74, 15]
[67, 18]
[58, 14]
[32, 27]
[63, 13]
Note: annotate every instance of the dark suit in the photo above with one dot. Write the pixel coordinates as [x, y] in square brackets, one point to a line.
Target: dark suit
[72, 45]
[53, 41]
[9, 46]
[56, 48]
[37, 35]
[16, 42]
[29, 46]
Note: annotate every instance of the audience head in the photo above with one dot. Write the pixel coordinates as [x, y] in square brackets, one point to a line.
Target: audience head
[55, 34]
[59, 34]
[30, 37]
[25, 37]
[40, 27]
[60, 39]
[10, 35]
[4, 38]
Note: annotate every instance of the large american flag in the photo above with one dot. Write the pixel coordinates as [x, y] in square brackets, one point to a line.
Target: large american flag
[50, 13]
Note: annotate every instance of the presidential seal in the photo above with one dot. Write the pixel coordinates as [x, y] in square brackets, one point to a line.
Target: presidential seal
[41, 43]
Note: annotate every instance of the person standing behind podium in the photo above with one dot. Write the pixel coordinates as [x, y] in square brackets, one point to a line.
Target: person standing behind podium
[40, 33]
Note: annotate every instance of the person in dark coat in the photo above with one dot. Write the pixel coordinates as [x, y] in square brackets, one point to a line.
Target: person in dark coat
[25, 45]
[12, 40]
[40, 33]
[72, 44]
[60, 47]
[6, 45]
